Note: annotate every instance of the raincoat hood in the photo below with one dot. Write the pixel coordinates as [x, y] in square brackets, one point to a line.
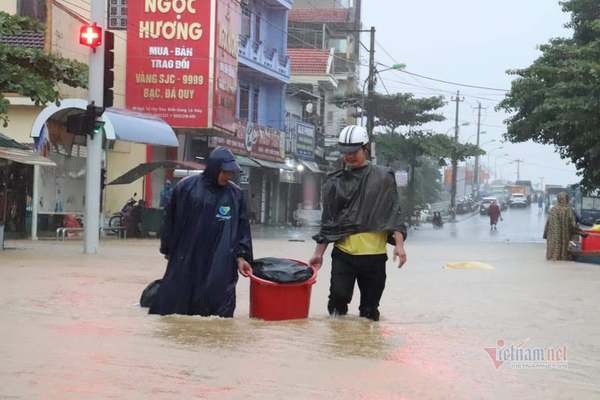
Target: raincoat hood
[220, 159]
[363, 199]
[563, 199]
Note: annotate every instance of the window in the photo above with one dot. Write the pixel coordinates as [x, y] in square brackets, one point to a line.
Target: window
[340, 45]
[245, 20]
[244, 102]
[32, 8]
[257, 27]
[255, 98]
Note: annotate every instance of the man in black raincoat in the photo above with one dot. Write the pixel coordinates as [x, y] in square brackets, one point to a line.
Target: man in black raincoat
[361, 214]
[206, 238]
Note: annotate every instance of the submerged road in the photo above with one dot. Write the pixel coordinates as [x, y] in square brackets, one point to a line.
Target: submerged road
[72, 327]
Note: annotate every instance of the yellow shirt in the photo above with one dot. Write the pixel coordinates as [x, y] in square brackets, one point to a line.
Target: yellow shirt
[362, 244]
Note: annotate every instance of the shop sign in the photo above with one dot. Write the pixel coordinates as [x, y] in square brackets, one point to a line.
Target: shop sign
[168, 60]
[253, 140]
[226, 64]
[305, 141]
[286, 176]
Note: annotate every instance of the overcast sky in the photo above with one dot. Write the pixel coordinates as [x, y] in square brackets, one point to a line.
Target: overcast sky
[473, 42]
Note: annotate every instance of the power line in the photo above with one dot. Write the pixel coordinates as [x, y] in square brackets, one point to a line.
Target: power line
[441, 91]
[447, 82]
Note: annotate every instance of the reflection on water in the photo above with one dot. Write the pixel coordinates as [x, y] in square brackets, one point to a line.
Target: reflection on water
[334, 337]
[211, 333]
[359, 337]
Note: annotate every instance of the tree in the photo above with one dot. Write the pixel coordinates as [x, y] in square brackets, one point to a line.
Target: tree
[32, 72]
[403, 109]
[556, 100]
[395, 110]
[416, 149]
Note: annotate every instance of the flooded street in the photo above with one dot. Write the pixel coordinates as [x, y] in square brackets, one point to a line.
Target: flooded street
[72, 327]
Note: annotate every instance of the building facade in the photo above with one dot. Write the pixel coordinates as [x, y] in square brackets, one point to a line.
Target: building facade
[331, 25]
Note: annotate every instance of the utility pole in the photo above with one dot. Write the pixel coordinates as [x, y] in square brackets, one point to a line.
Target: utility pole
[371, 88]
[94, 142]
[476, 183]
[458, 100]
[518, 161]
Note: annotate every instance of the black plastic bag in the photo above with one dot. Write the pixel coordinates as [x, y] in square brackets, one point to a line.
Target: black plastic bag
[281, 270]
[149, 294]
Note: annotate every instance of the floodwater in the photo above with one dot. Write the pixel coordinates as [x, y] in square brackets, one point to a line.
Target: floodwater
[72, 329]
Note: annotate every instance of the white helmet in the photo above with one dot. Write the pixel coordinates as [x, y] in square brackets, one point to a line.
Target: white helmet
[352, 138]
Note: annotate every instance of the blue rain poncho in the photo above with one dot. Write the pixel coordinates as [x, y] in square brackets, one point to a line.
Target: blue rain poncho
[205, 229]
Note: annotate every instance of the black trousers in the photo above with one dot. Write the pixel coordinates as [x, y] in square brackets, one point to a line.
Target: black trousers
[368, 271]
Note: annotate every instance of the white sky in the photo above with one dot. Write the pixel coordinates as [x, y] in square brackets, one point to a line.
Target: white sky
[473, 42]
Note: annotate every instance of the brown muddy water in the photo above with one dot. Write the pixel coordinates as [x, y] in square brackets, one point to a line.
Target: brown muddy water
[71, 328]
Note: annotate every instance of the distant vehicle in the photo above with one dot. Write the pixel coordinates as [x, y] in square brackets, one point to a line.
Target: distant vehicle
[518, 200]
[520, 189]
[485, 204]
[585, 204]
[528, 189]
[500, 192]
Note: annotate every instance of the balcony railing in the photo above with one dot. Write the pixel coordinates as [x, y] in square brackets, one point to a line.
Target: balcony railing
[269, 58]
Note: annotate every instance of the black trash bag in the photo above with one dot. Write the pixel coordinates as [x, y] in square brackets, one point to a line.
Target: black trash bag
[281, 270]
[149, 294]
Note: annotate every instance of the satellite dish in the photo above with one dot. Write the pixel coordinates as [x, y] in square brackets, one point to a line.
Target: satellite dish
[309, 108]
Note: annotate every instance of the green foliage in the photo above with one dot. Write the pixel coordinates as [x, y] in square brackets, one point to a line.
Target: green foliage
[32, 72]
[395, 110]
[556, 100]
[403, 109]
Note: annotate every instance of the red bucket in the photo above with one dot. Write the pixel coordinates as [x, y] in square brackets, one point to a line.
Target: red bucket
[591, 242]
[280, 301]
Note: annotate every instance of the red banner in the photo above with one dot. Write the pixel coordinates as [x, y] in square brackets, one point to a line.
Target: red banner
[168, 58]
[226, 64]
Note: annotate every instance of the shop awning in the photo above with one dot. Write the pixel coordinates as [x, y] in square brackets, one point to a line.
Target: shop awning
[246, 161]
[142, 169]
[119, 124]
[25, 157]
[131, 126]
[273, 164]
[312, 166]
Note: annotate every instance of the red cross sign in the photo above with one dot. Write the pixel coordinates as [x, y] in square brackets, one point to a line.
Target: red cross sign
[90, 35]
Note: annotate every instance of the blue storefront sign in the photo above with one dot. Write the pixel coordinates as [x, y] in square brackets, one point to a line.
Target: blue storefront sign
[305, 141]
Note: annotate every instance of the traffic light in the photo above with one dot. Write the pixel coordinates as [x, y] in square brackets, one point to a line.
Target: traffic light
[86, 123]
[109, 68]
[90, 35]
[102, 178]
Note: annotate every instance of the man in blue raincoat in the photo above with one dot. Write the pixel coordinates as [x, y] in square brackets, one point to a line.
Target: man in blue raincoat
[206, 238]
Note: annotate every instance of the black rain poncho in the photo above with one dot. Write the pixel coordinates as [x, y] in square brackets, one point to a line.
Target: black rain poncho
[358, 200]
[205, 229]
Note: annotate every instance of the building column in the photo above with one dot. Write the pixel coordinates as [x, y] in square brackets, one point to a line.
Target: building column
[35, 201]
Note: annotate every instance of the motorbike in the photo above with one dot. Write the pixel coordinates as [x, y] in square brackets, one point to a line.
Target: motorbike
[437, 220]
[119, 219]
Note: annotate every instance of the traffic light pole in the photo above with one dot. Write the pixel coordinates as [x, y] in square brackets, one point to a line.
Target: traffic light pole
[94, 142]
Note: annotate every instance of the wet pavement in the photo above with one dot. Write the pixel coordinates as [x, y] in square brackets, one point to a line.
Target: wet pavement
[72, 327]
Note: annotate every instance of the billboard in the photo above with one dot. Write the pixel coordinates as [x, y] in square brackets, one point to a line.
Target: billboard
[226, 64]
[253, 140]
[169, 48]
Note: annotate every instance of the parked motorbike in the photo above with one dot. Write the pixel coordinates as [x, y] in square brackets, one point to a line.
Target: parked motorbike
[119, 219]
[437, 220]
